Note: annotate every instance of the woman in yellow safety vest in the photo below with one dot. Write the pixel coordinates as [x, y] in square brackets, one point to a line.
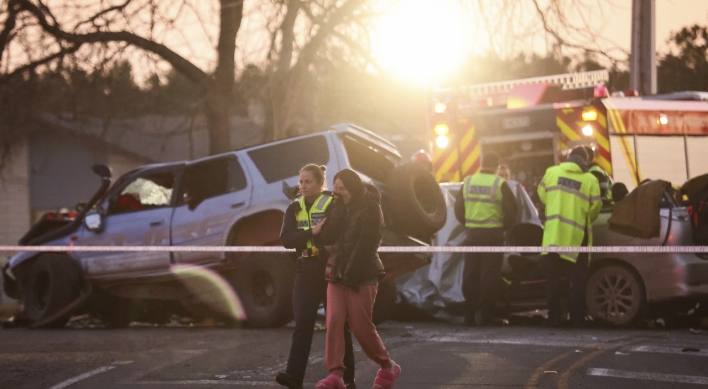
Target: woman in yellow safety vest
[302, 224]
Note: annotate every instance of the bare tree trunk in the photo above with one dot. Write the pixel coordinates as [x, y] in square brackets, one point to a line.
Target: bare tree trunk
[280, 76]
[219, 96]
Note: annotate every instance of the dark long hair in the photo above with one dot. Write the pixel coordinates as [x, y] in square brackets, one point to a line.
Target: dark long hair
[351, 181]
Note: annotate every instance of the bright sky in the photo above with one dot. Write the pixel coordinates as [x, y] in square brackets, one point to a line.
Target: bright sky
[423, 40]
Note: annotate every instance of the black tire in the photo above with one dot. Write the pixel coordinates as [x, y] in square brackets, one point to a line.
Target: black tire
[417, 205]
[385, 302]
[615, 295]
[53, 282]
[264, 284]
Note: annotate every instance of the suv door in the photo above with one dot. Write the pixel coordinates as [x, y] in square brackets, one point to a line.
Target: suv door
[138, 213]
[212, 194]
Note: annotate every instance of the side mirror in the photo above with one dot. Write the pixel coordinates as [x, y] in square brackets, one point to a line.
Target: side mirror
[94, 221]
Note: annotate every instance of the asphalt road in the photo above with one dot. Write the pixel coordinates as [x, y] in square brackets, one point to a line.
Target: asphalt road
[432, 355]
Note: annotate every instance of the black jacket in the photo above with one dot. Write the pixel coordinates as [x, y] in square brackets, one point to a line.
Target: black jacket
[356, 230]
[508, 204]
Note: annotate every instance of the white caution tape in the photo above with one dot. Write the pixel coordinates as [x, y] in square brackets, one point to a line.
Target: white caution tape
[385, 249]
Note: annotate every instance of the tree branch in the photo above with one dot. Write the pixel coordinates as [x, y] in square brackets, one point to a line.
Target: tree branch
[310, 49]
[35, 64]
[12, 11]
[93, 18]
[192, 72]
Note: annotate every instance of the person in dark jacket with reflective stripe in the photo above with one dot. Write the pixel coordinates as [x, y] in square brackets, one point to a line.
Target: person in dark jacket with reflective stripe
[303, 223]
[486, 206]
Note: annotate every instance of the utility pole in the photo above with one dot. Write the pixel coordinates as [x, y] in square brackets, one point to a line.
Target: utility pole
[642, 60]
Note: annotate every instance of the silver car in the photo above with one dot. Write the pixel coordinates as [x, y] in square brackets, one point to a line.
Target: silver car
[621, 286]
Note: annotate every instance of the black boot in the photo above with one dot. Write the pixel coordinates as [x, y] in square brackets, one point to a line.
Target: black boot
[290, 379]
[350, 385]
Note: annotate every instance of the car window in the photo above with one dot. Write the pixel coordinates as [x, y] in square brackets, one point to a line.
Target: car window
[366, 160]
[280, 161]
[212, 178]
[143, 193]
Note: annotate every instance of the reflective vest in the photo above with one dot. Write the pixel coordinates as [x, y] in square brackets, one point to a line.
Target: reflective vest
[605, 182]
[306, 220]
[572, 199]
[483, 197]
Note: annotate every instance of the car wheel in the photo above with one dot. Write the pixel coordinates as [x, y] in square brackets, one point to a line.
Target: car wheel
[264, 284]
[53, 282]
[615, 295]
[385, 301]
[417, 205]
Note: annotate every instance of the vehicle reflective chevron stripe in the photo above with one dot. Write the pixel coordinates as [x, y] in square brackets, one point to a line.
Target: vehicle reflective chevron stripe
[571, 124]
[460, 158]
[627, 152]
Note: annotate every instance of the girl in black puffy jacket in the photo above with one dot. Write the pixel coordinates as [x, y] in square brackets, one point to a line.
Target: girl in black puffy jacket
[354, 226]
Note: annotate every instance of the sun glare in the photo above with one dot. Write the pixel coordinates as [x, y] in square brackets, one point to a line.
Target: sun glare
[420, 40]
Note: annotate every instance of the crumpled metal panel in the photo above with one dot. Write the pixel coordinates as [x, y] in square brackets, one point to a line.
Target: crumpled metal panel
[438, 286]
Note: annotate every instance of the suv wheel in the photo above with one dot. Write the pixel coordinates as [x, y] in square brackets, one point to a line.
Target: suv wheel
[416, 202]
[265, 286]
[615, 295]
[53, 282]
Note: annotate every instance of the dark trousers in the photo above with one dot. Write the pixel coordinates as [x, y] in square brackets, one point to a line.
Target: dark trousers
[482, 274]
[576, 273]
[311, 290]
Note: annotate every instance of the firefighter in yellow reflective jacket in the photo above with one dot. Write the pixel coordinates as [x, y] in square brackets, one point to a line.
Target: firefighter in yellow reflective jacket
[572, 202]
[485, 206]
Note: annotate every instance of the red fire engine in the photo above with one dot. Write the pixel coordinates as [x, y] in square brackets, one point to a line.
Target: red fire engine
[531, 123]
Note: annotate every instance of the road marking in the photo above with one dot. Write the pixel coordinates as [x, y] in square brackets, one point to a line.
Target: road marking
[565, 377]
[532, 383]
[638, 375]
[667, 350]
[91, 373]
[549, 342]
[179, 359]
[207, 382]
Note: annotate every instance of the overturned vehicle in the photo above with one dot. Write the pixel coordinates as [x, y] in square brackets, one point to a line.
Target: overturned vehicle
[622, 288]
[233, 199]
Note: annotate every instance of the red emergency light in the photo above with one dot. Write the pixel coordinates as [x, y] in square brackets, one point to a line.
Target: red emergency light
[600, 92]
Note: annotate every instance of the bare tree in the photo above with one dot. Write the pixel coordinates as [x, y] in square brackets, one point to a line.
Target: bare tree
[99, 29]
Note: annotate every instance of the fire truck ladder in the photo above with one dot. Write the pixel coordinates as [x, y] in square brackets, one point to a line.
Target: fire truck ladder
[566, 81]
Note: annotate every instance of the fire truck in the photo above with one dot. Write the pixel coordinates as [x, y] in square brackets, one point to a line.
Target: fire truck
[532, 123]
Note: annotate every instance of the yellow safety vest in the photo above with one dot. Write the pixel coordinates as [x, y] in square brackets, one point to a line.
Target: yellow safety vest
[483, 196]
[307, 220]
[606, 186]
[572, 199]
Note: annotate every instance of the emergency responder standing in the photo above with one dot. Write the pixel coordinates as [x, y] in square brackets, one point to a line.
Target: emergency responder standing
[602, 177]
[302, 223]
[572, 202]
[486, 207]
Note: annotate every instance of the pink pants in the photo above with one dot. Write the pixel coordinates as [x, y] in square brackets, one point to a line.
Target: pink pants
[345, 304]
